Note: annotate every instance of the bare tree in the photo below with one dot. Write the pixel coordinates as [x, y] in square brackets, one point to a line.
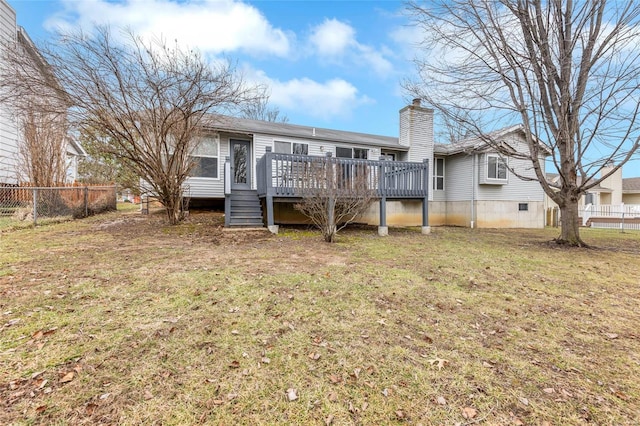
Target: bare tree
[335, 194]
[141, 101]
[260, 110]
[568, 71]
[42, 149]
[41, 120]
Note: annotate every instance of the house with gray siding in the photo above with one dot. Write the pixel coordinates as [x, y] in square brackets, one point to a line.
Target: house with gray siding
[476, 186]
[256, 167]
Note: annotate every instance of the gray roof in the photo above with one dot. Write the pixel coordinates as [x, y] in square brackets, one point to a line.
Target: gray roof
[244, 125]
[477, 143]
[631, 184]
[474, 143]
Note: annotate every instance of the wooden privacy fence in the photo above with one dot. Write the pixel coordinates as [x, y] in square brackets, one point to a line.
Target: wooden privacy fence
[32, 203]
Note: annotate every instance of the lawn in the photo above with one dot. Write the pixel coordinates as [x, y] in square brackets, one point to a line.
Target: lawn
[120, 319]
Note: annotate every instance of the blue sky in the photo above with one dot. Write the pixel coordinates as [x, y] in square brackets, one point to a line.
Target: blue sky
[333, 64]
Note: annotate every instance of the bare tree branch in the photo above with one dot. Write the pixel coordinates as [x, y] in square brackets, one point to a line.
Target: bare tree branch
[143, 100]
[335, 194]
[568, 71]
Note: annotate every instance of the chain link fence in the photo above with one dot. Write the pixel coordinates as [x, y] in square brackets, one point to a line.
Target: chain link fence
[33, 204]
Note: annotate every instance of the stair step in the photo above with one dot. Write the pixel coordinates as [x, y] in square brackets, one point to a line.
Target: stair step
[246, 209]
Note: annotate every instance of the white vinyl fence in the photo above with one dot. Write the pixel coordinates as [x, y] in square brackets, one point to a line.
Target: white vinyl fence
[620, 216]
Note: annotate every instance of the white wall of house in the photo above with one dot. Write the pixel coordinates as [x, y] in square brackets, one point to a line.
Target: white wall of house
[8, 123]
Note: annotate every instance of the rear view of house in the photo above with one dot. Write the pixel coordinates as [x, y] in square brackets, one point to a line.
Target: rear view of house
[417, 182]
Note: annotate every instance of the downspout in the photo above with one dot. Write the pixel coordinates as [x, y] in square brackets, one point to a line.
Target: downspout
[473, 189]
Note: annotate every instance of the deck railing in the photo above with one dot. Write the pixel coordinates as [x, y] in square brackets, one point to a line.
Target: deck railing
[292, 175]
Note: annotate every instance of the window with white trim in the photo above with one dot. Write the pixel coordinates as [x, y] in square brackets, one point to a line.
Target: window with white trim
[496, 167]
[205, 158]
[438, 174]
[282, 147]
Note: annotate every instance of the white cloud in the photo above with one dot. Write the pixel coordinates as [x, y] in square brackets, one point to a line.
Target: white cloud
[213, 26]
[336, 42]
[332, 38]
[334, 98]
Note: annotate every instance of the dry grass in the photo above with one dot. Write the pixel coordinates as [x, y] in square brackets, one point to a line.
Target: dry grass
[119, 319]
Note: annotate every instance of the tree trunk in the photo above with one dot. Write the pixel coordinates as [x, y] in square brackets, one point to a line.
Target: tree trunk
[570, 224]
[172, 206]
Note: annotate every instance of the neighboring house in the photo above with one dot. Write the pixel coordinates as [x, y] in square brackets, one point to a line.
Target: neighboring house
[10, 130]
[631, 191]
[471, 186]
[73, 154]
[8, 124]
[604, 204]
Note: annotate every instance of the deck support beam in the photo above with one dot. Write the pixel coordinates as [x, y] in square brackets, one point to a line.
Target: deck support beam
[426, 229]
[271, 226]
[383, 229]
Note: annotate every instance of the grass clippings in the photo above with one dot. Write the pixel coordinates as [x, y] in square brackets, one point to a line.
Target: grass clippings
[120, 319]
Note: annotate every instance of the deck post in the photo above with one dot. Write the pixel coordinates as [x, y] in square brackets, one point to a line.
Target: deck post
[227, 191]
[426, 229]
[383, 229]
[271, 226]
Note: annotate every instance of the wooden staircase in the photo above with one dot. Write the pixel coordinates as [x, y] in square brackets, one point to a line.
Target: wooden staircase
[245, 210]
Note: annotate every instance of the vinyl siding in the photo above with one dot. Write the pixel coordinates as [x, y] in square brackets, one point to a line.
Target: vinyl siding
[8, 125]
[196, 187]
[459, 180]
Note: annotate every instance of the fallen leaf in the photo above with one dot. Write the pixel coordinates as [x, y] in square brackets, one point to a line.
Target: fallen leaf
[548, 390]
[266, 360]
[365, 405]
[517, 422]
[50, 331]
[37, 335]
[314, 356]
[525, 401]
[469, 413]
[234, 364]
[438, 361]
[333, 397]
[104, 395]
[567, 394]
[218, 401]
[90, 408]
[611, 335]
[400, 414]
[41, 409]
[42, 383]
[292, 394]
[329, 420]
[36, 374]
[231, 396]
[67, 377]
[147, 394]
[441, 401]
[335, 379]
[356, 372]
